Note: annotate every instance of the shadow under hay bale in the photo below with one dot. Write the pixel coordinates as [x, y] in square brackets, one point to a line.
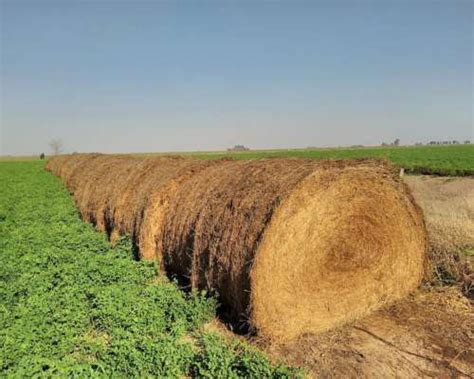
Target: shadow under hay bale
[290, 245]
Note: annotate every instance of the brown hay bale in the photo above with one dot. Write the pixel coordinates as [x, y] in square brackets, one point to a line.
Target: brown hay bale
[349, 257]
[103, 190]
[149, 176]
[69, 163]
[54, 163]
[65, 166]
[93, 186]
[142, 185]
[149, 224]
[71, 169]
[127, 202]
[296, 246]
[291, 245]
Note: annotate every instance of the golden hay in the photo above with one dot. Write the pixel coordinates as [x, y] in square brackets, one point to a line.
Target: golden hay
[154, 201]
[93, 180]
[291, 245]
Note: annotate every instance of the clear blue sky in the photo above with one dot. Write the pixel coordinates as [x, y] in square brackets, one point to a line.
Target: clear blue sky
[121, 76]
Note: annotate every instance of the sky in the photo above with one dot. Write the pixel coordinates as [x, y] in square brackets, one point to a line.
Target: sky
[143, 76]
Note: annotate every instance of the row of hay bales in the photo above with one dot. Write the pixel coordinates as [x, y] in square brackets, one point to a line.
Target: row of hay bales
[292, 246]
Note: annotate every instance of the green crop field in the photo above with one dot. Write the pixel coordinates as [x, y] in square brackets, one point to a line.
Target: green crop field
[451, 160]
[72, 306]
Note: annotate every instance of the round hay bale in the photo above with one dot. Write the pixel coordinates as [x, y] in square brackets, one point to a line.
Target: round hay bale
[54, 163]
[145, 176]
[344, 243]
[94, 180]
[292, 246]
[71, 172]
[296, 246]
[149, 223]
[69, 164]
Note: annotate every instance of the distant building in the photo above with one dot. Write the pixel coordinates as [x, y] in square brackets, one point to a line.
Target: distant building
[238, 148]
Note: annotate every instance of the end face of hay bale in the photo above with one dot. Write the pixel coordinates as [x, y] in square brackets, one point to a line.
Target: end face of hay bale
[345, 242]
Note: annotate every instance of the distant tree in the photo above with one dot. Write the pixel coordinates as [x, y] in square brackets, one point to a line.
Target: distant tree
[42, 156]
[384, 144]
[396, 142]
[56, 146]
[467, 142]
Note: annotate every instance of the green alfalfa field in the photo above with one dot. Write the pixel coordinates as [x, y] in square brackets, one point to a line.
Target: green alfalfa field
[73, 306]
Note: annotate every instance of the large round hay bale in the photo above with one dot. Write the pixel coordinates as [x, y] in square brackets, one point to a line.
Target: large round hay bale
[92, 181]
[345, 242]
[296, 246]
[151, 203]
[54, 163]
[138, 184]
[291, 246]
[72, 170]
[66, 169]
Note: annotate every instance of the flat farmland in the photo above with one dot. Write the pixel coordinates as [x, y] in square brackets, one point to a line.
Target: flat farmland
[74, 305]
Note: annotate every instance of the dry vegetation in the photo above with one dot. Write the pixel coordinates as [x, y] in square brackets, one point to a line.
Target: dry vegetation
[428, 335]
[275, 238]
[448, 206]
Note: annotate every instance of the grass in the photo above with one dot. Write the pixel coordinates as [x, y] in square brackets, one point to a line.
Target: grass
[72, 306]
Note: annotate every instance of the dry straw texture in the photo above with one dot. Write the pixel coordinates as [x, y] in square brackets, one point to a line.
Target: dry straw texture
[292, 246]
[448, 206]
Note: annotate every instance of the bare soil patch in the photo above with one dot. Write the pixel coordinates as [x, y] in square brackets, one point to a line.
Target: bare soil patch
[430, 334]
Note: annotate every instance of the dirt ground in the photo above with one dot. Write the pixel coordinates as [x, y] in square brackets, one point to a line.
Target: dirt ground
[430, 334]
